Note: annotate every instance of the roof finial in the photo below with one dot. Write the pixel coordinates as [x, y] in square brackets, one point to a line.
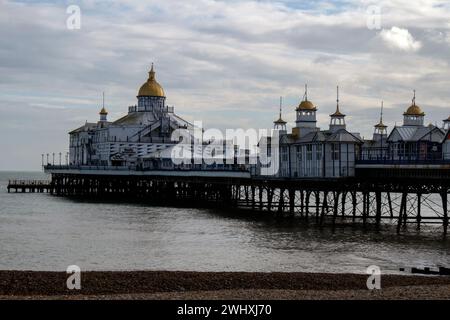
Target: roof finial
[306, 92]
[103, 99]
[151, 74]
[414, 98]
[381, 113]
[337, 98]
[281, 104]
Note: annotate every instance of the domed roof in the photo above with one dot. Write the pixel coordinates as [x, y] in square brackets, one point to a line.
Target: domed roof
[151, 88]
[414, 110]
[380, 125]
[306, 105]
[280, 121]
[103, 111]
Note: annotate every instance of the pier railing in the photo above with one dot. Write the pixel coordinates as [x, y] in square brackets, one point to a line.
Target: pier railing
[29, 182]
[29, 185]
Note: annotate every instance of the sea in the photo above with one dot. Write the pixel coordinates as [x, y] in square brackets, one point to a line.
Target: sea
[39, 231]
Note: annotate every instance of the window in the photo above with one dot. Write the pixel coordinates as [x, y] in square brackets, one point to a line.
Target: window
[298, 151]
[318, 152]
[309, 152]
[284, 156]
[335, 151]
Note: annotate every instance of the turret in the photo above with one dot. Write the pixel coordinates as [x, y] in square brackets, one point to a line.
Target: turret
[151, 96]
[380, 131]
[305, 117]
[280, 124]
[337, 119]
[446, 123]
[413, 116]
[103, 113]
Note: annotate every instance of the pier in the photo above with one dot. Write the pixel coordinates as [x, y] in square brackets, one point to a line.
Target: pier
[39, 186]
[368, 198]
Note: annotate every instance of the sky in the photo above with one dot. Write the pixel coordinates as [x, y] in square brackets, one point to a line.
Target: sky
[225, 63]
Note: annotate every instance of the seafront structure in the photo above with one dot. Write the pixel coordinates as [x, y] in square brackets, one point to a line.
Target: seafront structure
[310, 152]
[144, 138]
[321, 174]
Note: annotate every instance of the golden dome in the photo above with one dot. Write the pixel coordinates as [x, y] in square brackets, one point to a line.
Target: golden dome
[151, 88]
[306, 105]
[414, 110]
[103, 111]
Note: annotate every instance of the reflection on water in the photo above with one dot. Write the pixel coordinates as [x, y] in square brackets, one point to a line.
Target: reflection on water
[43, 232]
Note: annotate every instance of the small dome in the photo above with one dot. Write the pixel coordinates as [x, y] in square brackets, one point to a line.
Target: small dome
[306, 105]
[280, 121]
[337, 113]
[151, 88]
[414, 110]
[380, 125]
[103, 111]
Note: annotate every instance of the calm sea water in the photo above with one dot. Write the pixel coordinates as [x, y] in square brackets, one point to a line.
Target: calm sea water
[44, 232]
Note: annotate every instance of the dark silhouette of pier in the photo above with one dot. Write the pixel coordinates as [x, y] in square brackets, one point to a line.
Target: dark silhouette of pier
[373, 196]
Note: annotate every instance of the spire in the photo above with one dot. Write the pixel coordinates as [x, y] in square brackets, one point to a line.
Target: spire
[281, 104]
[337, 113]
[381, 124]
[337, 98]
[280, 120]
[414, 98]
[151, 74]
[380, 127]
[103, 113]
[381, 113]
[306, 92]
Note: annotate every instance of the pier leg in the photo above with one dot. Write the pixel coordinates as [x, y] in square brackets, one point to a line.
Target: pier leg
[344, 196]
[260, 194]
[391, 211]
[365, 206]
[302, 202]
[402, 208]
[324, 207]
[419, 204]
[281, 202]
[445, 212]
[253, 198]
[269, 199]
[336, 195]
[378, 204]
[308, 194]
[291, 201]
[354, 204]
[317, 194]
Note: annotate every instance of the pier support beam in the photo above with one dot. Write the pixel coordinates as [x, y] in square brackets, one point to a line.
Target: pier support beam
[444, 210]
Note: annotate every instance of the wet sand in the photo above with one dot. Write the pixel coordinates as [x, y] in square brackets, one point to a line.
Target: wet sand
[217, 285]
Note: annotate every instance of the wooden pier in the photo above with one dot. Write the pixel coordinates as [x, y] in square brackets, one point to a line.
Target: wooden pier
[40, 186]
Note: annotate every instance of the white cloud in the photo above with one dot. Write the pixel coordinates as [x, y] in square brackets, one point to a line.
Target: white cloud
[401, 39]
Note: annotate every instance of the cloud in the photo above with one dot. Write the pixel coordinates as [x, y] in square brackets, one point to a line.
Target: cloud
[222, 62]
[401, 39]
